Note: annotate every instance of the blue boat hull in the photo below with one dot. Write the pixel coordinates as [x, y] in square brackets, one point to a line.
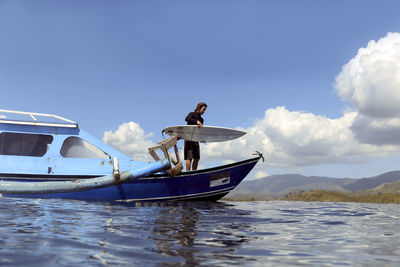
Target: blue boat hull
[208, 184]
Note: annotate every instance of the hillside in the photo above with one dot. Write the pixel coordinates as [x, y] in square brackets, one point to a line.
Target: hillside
[384, 193]
[385, 188]
[332, 196]
[279, 185]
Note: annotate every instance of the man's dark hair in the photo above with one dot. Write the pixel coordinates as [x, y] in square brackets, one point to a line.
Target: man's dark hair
[199, 106]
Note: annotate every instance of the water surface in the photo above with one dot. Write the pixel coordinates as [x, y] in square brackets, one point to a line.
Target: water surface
[67, 232]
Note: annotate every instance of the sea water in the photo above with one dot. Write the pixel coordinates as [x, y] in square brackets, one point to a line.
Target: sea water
[39, 232]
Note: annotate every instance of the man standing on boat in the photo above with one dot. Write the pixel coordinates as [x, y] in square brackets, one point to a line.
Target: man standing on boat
[192, 149]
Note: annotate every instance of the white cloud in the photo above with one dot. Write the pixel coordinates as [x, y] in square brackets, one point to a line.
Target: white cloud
[371, 82]
[261, 174]
[293, 139]
[3, 117]
[287, 139]
[131, 140]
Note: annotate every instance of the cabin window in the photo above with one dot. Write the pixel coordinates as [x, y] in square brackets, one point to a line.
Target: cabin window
[75, 147]
[21, 144]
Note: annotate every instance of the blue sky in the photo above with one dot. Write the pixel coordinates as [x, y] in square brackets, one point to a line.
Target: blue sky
[269, 67]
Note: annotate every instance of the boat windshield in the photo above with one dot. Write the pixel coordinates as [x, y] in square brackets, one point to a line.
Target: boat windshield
[21, 144]
[75, 147]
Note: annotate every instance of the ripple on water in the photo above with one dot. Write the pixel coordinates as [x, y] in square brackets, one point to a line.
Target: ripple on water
[54, 232]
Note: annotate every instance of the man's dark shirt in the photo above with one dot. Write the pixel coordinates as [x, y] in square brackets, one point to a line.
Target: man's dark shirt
[193, 117]
[192, 149]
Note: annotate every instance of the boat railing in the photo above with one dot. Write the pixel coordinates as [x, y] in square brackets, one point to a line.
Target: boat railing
[36, 119]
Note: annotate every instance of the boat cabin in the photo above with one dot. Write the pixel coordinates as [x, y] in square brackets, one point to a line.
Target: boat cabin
[46, 144]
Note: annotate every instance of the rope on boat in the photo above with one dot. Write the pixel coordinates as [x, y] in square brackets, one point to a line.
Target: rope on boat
[259, 154]
[11, 187]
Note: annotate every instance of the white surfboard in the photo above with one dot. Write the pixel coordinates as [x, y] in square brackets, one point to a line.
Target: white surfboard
[203, 134]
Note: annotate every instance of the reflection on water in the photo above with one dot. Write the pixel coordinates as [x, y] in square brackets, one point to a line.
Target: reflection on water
[185, 231]
[174, 232]
[63, 232]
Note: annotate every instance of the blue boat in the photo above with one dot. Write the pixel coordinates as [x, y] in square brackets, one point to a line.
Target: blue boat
[48, 156]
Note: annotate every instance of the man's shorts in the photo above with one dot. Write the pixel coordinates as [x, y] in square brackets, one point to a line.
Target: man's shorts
[192, 150]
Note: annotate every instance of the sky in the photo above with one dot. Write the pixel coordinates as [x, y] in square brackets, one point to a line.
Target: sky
[315, 84]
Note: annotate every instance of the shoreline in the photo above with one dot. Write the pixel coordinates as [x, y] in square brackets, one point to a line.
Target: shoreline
[329, 196]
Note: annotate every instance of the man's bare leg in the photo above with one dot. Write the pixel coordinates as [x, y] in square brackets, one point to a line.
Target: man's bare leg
[195, 164]
[188, 164]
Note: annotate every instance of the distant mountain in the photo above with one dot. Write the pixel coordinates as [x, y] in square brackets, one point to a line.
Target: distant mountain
[368, 183]
[279, 185]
